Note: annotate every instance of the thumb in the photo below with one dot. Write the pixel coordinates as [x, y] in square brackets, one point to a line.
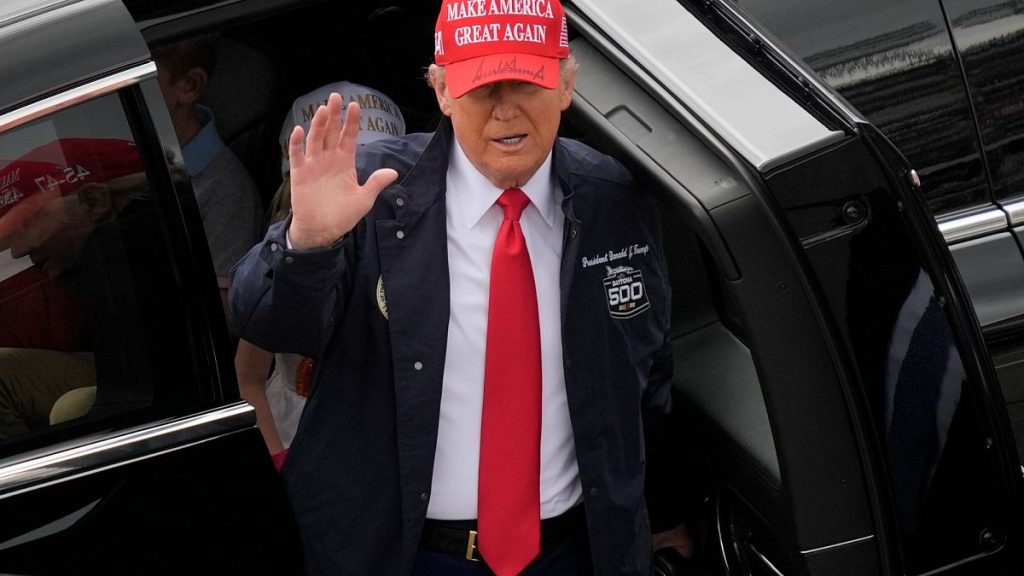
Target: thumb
[380, 180]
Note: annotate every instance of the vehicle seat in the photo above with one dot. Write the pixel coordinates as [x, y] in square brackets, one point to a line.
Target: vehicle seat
[72, 404]
[244, 93]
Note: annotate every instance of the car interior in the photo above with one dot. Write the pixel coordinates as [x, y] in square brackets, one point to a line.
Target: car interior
[727, 441]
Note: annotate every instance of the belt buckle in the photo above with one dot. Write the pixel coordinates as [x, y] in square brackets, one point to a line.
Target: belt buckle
[471, 547]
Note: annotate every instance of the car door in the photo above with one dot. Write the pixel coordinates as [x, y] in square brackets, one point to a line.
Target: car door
[123, 446]
[941, 79]
[988, 36]
[831, 380]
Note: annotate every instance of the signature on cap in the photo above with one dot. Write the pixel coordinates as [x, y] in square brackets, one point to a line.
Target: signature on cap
[506, 67]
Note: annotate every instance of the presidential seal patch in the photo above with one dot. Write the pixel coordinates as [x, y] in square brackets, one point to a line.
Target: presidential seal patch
[382, 302]
[624, 288]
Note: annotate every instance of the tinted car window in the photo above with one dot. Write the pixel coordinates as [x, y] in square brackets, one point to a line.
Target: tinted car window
[990, 37]
[893, 61]
[89, 314]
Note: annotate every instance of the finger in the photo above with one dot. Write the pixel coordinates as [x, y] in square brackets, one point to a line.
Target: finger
[334, 112]
[350, 132]
[317, 131]
[379, 180]
[296, 154]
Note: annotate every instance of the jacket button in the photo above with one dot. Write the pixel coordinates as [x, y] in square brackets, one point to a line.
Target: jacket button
[418, 365]
[273, 246]
[399, 202]
[288, 259]
[423, 496]
[572, 233]
[594, 491]
[400, 234]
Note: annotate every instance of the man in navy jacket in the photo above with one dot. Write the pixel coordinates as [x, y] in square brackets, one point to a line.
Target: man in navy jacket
[371, 281]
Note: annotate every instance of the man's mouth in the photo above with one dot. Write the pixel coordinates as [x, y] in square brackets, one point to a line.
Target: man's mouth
[511, 140]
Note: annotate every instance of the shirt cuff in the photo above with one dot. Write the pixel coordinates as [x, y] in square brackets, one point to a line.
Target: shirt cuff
[288, 241]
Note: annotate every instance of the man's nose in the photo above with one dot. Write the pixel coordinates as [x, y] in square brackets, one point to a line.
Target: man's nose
[506, 105]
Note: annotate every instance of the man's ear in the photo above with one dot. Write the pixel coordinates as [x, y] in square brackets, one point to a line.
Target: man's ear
[440, 85]
[567, 85]
[193, 83]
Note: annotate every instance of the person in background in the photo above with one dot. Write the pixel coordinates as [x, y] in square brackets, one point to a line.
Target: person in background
[279, 399]
[228, 200]
[59, 195]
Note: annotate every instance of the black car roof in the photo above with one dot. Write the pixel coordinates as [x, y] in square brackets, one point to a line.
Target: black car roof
[49, 45]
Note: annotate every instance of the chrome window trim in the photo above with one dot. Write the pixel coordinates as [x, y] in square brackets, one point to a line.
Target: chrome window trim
[838, 545]
[77, 95]
[717, 86]
[972, 226]
[1015, 211]
[765, 561]
[111, 451]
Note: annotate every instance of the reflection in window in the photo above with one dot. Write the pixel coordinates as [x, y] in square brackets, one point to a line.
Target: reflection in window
[71, 187]
[939, 473]
[894, 62]
[990, 37]
[923, 384]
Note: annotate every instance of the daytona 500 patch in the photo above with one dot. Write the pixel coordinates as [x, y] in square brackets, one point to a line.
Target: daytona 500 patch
[625, 291]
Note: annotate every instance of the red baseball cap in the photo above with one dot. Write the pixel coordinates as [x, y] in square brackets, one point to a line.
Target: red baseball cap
[59, 168]
[483, 41]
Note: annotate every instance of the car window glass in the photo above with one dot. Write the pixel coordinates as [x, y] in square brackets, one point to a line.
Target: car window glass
[82, 259]
[990, 37]
[893, 61]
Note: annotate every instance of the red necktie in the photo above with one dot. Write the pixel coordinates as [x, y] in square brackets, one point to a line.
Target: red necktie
[509, 491]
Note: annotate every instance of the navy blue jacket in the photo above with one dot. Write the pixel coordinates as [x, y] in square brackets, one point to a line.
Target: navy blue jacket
[374, 312]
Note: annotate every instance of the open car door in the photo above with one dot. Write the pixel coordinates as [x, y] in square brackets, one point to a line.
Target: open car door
[832, 386]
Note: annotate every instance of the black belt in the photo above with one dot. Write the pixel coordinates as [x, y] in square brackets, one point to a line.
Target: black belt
[459, 537]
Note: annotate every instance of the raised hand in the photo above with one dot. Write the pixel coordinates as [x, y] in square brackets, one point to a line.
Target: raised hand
[327, 199]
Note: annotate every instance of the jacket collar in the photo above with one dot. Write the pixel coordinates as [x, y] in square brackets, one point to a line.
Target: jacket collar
[564, 172]
[424, 185]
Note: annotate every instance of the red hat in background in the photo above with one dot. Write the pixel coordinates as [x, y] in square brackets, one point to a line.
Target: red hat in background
[18, 179]
[483, 41]
[59, 168]
[92, 160]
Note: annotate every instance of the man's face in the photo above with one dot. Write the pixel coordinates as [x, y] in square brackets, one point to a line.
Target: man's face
[54, 235]
[506, 128]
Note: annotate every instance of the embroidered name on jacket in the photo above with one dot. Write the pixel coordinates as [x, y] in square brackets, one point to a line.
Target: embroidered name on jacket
[382, 301]
[626, 252]
[624, 288]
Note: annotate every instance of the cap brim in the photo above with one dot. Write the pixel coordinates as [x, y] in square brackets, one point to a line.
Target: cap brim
[469, 74]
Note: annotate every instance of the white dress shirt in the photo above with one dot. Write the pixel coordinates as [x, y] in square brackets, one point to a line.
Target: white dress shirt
[473, 220]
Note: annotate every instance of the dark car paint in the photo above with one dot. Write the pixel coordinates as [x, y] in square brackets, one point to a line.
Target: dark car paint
[63, 44]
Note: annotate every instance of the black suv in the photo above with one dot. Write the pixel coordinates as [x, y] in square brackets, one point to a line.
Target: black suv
[838, 410]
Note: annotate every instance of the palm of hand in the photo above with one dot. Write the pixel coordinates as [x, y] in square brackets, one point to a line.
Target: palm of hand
[327, 199]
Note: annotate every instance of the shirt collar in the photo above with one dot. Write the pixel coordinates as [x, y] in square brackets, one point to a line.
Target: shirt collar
[200, 151]
[475, 193]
